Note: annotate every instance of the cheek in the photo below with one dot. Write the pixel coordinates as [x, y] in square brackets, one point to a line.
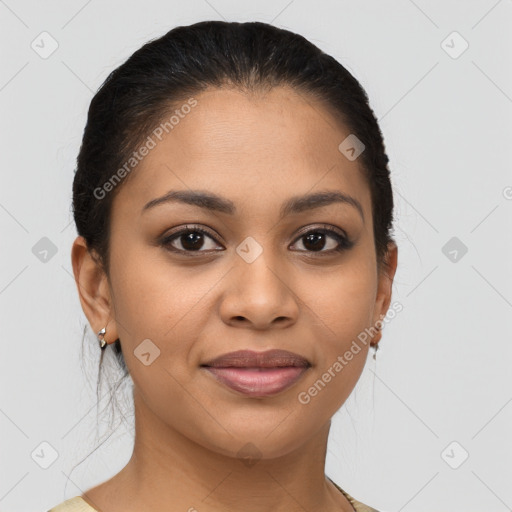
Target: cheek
[164, 304]
[344, 300]
[156, 303]
[343, 310]
[341, 357]
[144, 290]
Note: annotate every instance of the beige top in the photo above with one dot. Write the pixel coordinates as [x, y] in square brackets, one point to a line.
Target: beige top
[78, 504]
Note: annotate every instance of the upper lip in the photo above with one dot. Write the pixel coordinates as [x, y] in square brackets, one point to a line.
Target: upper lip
[250, 359]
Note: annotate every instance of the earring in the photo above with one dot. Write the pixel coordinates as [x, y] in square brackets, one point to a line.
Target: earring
[376, 345]
[101, 338]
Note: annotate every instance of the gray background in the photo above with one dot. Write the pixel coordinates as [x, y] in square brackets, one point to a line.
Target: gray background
[443, 371]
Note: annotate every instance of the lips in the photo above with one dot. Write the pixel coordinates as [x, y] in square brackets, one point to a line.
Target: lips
[250, 359]
[258, 374]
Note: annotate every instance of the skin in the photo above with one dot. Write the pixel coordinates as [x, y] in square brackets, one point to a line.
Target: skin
[257, 150]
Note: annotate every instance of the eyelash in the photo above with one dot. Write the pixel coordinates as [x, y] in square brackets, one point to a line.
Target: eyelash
[344, 243]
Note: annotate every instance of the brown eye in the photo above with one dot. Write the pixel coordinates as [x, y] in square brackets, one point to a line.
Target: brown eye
[192, 239]
[197, 240]
[324, 241]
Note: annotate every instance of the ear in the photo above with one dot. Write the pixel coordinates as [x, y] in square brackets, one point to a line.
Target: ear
[384, 287]
[93, 289]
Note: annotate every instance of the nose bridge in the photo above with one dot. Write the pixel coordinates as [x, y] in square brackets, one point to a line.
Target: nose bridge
[260, 293]
[261, 275]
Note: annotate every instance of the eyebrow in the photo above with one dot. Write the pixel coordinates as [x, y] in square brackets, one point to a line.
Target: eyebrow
[213, 202]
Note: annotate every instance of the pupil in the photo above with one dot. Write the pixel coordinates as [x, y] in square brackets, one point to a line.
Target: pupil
[192, 241]
[315, 240]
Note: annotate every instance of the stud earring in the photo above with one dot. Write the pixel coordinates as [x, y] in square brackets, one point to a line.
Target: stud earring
[375, 348]
[101, 338]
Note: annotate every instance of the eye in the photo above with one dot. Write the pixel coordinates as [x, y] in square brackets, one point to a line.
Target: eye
[196, 239]
[317, 240]
[191, 239]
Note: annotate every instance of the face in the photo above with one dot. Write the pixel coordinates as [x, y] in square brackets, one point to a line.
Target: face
[258, 267]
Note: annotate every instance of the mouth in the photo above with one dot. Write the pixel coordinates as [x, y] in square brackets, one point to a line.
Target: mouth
[258, 374]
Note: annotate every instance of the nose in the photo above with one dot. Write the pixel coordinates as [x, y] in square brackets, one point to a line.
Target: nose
[258, 297]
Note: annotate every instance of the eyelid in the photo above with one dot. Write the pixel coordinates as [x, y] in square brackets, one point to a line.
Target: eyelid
[187, 228]
[192, 227]
[344, 242]
[327, 227]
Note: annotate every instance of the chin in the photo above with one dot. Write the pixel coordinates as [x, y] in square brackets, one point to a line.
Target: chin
[259, 435]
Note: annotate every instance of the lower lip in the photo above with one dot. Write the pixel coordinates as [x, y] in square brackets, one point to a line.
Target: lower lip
[258, 382]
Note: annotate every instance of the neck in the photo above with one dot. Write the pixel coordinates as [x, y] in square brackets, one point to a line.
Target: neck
[169, 471]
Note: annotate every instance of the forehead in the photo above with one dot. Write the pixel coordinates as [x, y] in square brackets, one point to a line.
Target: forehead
[259, 146]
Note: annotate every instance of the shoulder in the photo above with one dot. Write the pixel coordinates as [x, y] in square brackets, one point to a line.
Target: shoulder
[358, 506]
[76, 504]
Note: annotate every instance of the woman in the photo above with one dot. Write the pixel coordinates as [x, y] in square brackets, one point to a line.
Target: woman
[234, 207]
